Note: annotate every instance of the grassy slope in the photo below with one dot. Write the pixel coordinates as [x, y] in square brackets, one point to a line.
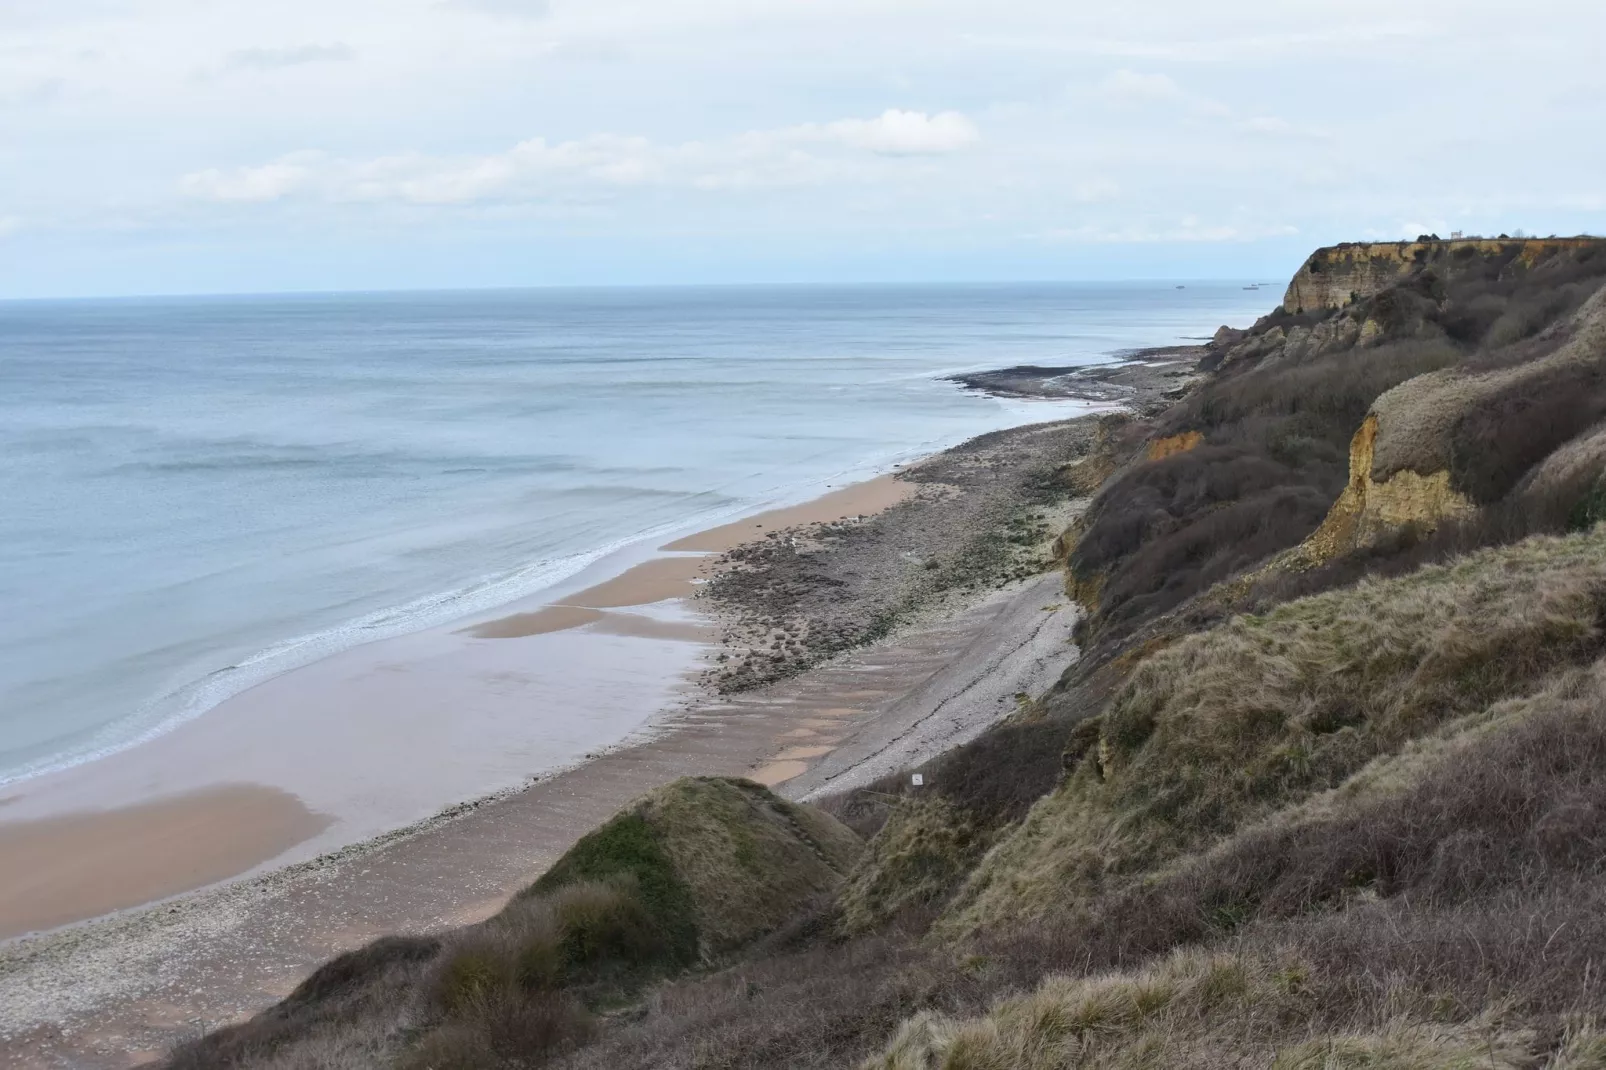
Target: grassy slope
[1232, 725]
[1426, 892]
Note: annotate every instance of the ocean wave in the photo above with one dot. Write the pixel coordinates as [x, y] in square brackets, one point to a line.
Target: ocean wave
[183, 704]
[370, 462]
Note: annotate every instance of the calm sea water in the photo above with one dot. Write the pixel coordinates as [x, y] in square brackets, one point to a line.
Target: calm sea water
[198, 493]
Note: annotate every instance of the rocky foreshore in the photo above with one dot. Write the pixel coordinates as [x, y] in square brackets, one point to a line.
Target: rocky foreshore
[1142, 380]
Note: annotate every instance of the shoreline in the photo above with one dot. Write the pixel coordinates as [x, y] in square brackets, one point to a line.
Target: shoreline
[128, 982]
[66, 875]
[555, 578]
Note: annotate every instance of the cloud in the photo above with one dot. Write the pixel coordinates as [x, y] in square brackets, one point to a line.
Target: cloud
[601, 164]
[1129, 88]
[270, 182]
[1185, 230]
[1093, 190]
[602, 160]
[1272, 126]
[523, 9]
[1125, 85]
[272, 59]
[38, 93]
[895, 133]
[9, 225]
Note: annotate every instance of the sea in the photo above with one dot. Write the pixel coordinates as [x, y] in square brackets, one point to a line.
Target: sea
[199, 493]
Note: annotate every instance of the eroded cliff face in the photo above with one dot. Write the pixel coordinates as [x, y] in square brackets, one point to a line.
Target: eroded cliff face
[1370, 507]
[1171, 445]
[1421, 455]
[1341, 274]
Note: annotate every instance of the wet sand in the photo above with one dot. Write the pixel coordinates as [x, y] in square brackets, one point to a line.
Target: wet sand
[63, 869]
[663, 578]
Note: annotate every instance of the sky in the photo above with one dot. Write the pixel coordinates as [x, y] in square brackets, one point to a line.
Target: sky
[196, 146]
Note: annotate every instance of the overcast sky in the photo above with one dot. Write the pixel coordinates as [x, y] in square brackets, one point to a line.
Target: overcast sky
[170, 146]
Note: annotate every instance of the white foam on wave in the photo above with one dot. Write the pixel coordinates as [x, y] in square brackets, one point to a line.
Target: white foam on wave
[170, 710]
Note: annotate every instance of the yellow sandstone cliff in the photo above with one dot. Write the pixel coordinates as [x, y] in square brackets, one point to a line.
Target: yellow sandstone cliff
[1335, 276]
[1368, 508]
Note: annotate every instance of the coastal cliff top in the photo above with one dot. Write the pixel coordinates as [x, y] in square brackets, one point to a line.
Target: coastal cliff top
[1337, 275]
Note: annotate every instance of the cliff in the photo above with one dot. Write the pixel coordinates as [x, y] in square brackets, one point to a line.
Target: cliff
[1441, 446]
[691, 872]
[1341, 274]
[1397, 404]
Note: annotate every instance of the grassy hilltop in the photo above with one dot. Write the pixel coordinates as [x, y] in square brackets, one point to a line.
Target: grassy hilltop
[1327, 788]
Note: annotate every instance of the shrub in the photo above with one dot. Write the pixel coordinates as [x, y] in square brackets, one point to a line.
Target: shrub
[604, 928]
[1275, 458]
[626, 853]
[505, 1027]
[334, 1000]
[1506, 433]
[916, 860]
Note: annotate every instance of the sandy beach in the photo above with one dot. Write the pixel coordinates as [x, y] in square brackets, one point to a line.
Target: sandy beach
[68, 864]
[846, 697]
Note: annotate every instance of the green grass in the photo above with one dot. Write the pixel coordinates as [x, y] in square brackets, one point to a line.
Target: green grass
[627, 852]
[747, 856]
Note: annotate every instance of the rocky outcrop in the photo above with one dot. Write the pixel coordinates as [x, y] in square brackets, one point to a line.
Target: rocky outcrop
[1473, 293]
[1342, 274]
[1440, 446]
[1368, 507]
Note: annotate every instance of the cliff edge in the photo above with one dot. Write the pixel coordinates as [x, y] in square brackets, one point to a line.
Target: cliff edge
[1339, 275]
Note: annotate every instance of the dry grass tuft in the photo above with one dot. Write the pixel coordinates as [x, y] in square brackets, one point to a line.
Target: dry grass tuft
[919, 857]
[1229, 726]
[1210, 1010]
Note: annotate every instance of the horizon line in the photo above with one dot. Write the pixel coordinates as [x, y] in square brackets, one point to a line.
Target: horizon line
[623, 286]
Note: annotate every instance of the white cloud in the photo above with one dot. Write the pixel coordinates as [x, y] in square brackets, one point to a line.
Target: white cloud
[1125, 85]
[1129, 89]
[527, 168]
[1272, 126]
[525, 9]
[9, 225]
[1120, 118]
[270, 182]
[1188, 229]
[603, 164]
[905, 133]
[271, 59]
[1093, 190]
